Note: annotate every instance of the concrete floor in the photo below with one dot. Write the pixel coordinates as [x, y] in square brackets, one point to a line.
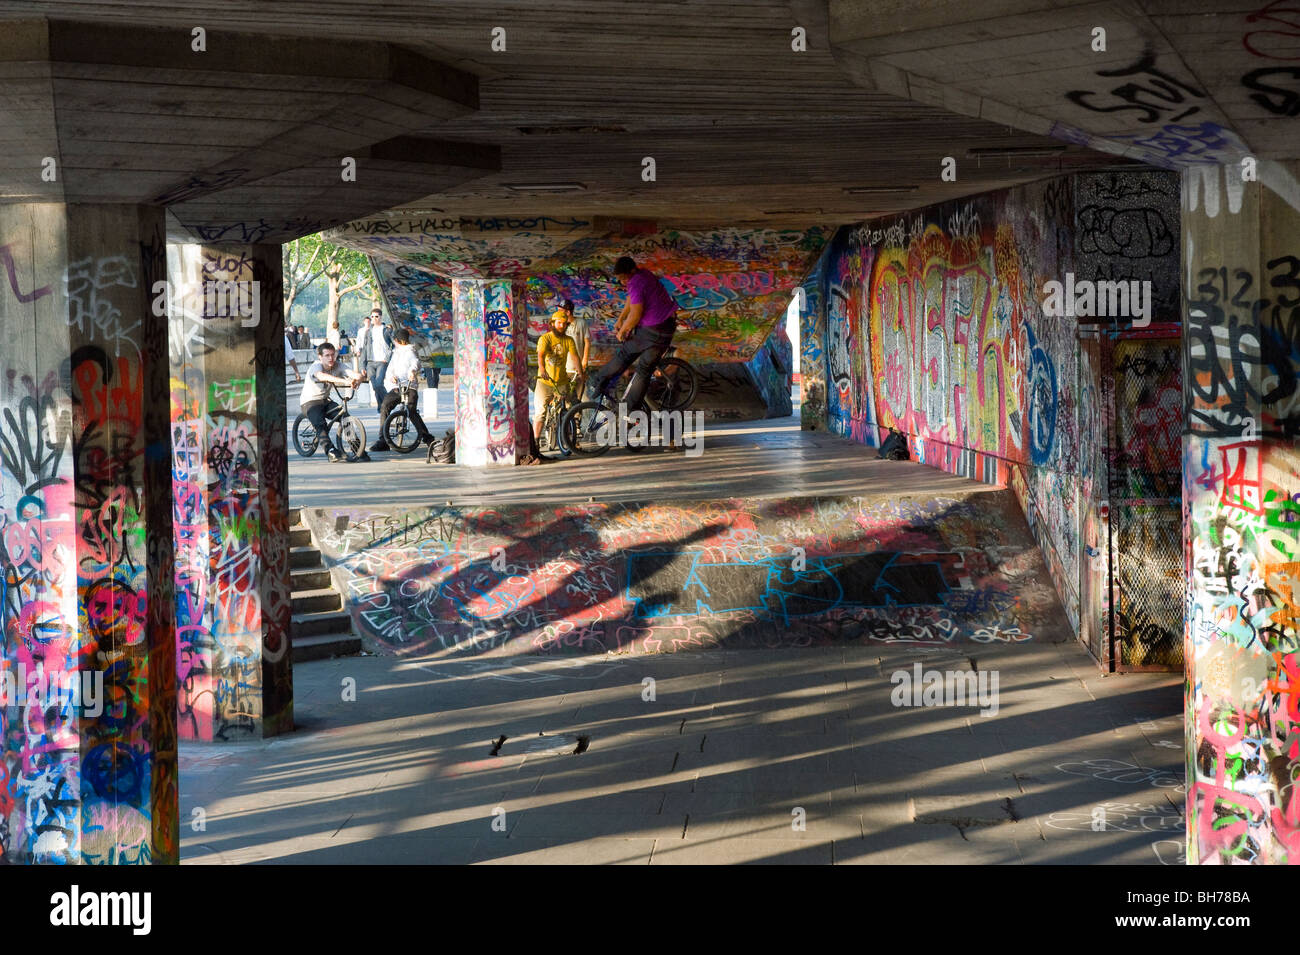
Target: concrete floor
[748, 459]
[711, 771]
[1074, 768]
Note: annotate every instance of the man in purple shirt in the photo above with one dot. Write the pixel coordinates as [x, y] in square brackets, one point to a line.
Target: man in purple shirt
[645, 327]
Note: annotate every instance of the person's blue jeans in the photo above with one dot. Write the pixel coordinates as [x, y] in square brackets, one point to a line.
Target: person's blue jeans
[376, 371]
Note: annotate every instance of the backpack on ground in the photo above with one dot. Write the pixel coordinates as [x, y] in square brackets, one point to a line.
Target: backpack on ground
[894, 447]
[442, 450]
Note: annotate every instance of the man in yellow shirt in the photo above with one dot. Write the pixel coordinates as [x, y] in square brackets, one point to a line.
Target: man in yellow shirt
[554, 349]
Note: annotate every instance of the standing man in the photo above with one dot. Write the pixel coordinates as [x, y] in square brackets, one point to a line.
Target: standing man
[289, 356]
[578, 331]
[360, 353]
[401, 369]
[645, 327]
[377, 352]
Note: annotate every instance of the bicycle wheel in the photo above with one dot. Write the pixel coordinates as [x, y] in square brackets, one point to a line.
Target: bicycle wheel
[549, 443]
[305, 439]
[400, 433]
[673, 387]
[589, 428]
[350, 436]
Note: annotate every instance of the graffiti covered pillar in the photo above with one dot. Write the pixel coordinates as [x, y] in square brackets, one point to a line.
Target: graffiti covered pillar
[491, 341]
[87, 640]
[230, 485]
[1241, 477]
[812, 349]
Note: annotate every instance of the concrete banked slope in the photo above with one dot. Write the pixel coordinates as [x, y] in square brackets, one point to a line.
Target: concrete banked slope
[658, 576]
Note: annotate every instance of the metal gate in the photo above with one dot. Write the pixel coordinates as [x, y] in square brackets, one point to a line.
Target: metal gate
[1144, 483]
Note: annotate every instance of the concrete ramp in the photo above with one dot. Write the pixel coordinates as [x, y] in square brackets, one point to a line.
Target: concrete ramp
[677, 575]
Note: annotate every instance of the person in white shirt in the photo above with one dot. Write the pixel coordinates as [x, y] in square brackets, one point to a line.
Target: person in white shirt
[290, 358]
[402, 369]
[375, 352]
[578, 331]
[359, 352]
[315, 403]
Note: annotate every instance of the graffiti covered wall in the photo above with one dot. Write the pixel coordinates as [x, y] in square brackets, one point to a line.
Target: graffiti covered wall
[1241, 488]
[666, 576]
[229, 488]
[732, 286]
[87, 723]
[935, 326]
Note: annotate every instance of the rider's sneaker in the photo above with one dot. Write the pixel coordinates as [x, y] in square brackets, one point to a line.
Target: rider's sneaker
[334, 456]
[379, 446]
[363, 456]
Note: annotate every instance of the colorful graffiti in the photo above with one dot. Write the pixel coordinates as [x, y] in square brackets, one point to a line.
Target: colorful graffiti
[934, 327]
[1241, 473]
[812, 349]
[492, 374]
[230, 518]
[84, 777]
[732, 286]
[645, 578]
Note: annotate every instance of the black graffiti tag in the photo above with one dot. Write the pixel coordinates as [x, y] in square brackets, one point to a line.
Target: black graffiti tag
[1152, 94]
[32, 441]
[1287, 102]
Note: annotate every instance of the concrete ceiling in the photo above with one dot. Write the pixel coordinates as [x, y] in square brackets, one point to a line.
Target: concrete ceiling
[742, 128]
[1179, 82]
[243, 140]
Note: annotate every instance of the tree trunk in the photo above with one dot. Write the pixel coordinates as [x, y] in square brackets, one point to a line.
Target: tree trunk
[332, 302]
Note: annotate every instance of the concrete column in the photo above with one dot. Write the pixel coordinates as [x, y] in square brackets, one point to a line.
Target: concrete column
[88, 767]
[230, 487]
[1241, 474]
[812, 350]
[491, 342]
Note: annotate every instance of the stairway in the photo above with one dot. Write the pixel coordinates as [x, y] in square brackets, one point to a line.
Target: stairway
[320, 628]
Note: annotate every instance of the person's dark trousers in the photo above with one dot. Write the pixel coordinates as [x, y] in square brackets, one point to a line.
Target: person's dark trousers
[644, 349]
[318, 413]
[376, 370]
[391, 401]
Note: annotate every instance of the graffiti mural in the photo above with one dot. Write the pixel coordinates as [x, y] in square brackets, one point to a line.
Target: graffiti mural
[656, 577]
[229, 507]
[1241, 473]
[934, 327]
[87, 770]
[492, 374]
[732, 286]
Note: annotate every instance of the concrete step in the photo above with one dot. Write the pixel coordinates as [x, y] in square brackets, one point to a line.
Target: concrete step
[299, 536]
[301, 557]
[295, 515]
[316, 624]
[312, 578]
[324, 646]
[315, 601]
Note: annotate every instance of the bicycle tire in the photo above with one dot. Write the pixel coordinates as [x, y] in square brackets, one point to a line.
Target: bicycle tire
[587, 441]
[676, 389]
[351, 436]
[305, 438]
[550, 444]
[399, 434]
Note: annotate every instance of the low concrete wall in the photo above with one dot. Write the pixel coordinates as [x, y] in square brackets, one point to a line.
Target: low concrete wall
[644, 578]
